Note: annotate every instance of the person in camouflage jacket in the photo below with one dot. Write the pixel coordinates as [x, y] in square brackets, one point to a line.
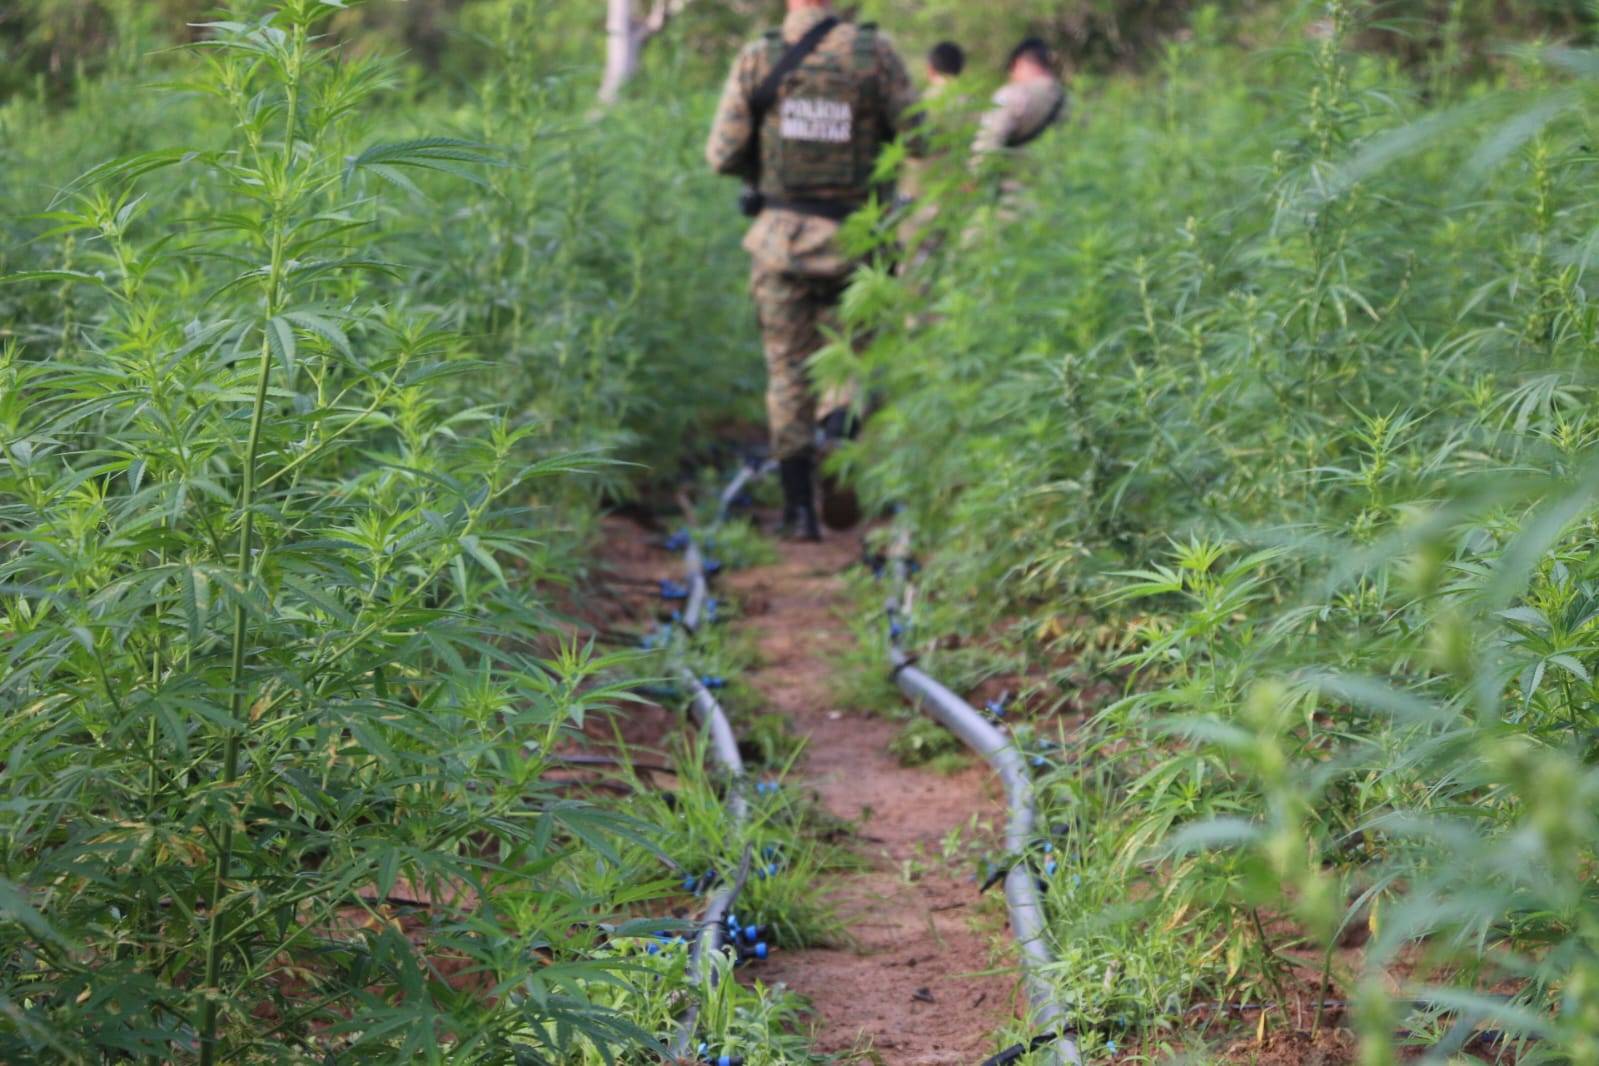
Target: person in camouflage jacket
[944, 108]
[1026, 106]
[811, 159]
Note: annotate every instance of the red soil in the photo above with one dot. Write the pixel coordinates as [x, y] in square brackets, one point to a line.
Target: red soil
[918, 987]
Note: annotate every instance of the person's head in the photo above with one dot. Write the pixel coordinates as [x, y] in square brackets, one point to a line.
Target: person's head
[945, 61]
[801, 5]
[1030, 59]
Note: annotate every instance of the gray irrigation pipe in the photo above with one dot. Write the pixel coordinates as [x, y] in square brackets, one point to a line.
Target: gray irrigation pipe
[724, 745]
[698, 587]
[711, 940]
[712, 719]
[1021, 889]
[750, 472]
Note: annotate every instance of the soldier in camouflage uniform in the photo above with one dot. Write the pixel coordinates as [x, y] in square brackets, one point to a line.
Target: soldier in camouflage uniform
[1030, 102]
[811, 159]
[944, 111]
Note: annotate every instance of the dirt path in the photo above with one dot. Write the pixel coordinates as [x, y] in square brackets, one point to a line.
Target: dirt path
[913, 989]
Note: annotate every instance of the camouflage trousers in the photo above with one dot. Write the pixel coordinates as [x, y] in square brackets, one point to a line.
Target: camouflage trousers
[794, 311]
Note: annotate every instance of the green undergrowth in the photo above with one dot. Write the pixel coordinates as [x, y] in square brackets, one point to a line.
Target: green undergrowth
[790, 841]
[1262, 422]
[923, 742]
[806, 844]
[648, 945]
[742, 545]
[861, 679]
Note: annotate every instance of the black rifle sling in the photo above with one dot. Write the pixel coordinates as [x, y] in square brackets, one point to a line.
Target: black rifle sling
[766, 93]
[1043, 127]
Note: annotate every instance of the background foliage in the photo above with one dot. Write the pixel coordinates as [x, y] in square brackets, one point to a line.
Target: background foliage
[308, 393]
[1260, 433]
[50, 45]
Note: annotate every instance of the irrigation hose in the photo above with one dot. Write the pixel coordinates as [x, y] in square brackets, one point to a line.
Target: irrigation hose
[724, 744]
[711, 939]
[1021, 887]
[713, 721]
[698, 587]
[751, 471]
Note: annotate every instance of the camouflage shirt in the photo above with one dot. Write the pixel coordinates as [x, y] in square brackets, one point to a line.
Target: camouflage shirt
[1021, 111]
[783, 240]
[947, 114]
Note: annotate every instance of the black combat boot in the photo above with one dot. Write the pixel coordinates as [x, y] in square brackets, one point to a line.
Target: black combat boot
[799, 498]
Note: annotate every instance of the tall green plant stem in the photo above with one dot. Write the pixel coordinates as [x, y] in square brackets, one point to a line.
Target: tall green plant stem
[239, 707]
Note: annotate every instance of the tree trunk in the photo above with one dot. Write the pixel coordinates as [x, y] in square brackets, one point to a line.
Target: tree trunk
[623, 46]
[625, 37]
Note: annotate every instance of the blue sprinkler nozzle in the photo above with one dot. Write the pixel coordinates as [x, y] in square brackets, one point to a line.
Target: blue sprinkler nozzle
[995, 708]
[752, 933]
[671, 590]
[758, 950]
[663, 943]
[711, 566]
[713, 682]
[677, 542]
[1050, 867]
[700, 884]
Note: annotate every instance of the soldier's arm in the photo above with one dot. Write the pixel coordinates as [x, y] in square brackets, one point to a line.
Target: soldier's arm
[731, 147]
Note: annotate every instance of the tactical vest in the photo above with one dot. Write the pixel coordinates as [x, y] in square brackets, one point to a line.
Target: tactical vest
[821, 138]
